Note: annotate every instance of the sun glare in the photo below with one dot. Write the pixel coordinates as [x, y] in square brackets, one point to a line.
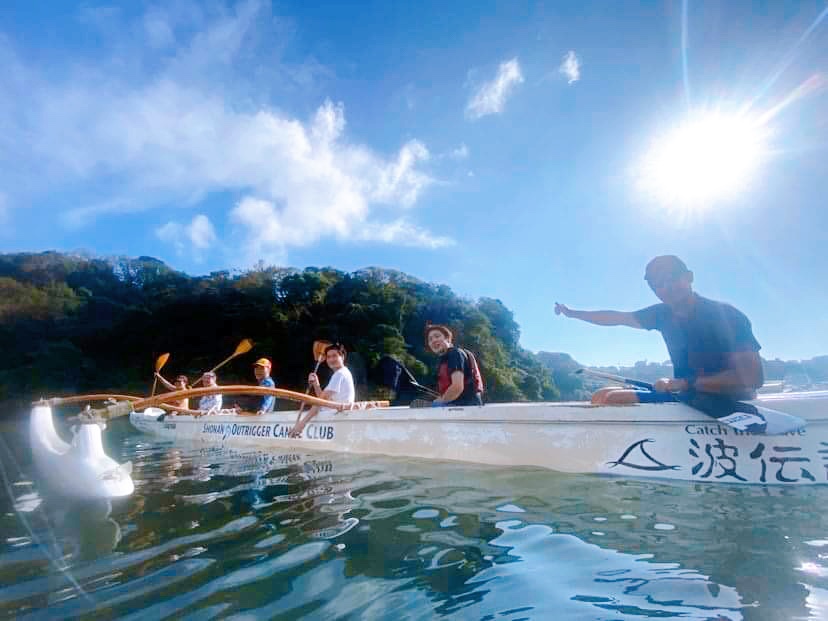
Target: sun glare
[706, 160]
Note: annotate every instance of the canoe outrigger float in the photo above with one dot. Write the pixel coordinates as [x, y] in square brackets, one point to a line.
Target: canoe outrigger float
[665, 440]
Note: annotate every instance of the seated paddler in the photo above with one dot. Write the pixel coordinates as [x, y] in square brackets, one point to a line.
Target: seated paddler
[210, 404]
[459, 381]
[181, 383]
[340, 388]
[711, 344]
[261, 368]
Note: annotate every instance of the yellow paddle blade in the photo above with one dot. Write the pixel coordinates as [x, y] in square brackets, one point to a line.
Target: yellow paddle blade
[162, 360]
[319, 349]
[242, 348]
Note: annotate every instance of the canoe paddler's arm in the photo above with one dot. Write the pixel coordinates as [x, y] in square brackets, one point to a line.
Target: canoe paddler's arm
[167, 385]
[599, 317]
[744, 374]
[454, 390]
[313, 382]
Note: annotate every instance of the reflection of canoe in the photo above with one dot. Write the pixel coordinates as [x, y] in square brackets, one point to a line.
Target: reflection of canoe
[81, 469]
[669, 441]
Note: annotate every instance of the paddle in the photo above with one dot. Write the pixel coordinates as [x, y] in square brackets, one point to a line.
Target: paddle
[418, 386]
[738, 415]
[242, 348]
[617, 378]
[159, 364]
[318, 355]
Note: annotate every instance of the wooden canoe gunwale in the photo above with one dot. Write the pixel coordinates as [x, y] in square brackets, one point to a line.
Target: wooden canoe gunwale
[162, 400]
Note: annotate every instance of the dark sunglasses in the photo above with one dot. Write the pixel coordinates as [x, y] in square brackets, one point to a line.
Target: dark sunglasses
[665, 281]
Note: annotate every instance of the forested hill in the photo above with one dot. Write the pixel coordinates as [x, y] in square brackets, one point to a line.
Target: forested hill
[71, 323]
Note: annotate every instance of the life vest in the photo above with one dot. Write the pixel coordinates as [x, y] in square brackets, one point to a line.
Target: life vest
[472, 378]
[477, 376]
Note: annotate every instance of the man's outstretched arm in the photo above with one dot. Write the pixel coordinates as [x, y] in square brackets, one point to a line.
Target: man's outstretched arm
[599, 317]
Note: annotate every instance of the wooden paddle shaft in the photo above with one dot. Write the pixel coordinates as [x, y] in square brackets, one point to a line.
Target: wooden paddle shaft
[617, 378]
[307, 390]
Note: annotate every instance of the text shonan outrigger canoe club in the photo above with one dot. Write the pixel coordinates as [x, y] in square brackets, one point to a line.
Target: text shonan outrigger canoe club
[313, 432]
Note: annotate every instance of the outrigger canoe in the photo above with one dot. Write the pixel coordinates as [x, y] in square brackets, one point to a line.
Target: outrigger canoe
[664, 441]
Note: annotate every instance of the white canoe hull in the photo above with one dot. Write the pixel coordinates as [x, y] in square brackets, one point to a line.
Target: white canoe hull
[670, 441]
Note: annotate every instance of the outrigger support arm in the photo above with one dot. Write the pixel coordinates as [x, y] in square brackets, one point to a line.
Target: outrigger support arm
[127, 403]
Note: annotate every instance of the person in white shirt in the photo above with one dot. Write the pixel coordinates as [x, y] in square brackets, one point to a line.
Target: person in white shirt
[210, 404]
[340, 387]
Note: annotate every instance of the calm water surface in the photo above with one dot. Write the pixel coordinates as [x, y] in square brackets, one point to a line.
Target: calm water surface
[214, 533]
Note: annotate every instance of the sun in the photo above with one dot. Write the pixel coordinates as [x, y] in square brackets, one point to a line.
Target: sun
[708, 159]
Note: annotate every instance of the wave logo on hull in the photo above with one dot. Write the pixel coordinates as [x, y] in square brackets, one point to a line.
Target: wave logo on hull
[636, 451]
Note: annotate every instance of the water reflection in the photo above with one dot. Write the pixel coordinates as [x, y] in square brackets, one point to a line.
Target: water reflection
[220, 533]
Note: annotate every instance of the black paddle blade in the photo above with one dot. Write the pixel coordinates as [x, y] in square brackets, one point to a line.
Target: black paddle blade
[393, 374]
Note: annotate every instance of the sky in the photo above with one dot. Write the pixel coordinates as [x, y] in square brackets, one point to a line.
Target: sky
[531, 152]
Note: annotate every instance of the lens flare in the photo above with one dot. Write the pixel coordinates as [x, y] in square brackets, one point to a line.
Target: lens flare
[708, 159]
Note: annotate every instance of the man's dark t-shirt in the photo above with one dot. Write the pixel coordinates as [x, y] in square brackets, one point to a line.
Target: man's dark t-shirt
[455, 359]
[699, 344]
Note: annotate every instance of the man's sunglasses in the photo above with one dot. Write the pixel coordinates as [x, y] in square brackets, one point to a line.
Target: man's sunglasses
[660, 283]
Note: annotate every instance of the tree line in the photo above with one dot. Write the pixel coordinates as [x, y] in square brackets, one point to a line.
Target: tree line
[72, 323]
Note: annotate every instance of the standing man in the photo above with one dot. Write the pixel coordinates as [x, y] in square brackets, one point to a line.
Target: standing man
[340, 387]
[262, 370]
[711, 344]
[458, 378]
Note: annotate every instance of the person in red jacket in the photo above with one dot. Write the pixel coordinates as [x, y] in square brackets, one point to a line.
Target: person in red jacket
[458, 378]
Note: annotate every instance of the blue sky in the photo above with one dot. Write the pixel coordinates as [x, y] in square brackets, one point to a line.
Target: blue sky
[498, 147]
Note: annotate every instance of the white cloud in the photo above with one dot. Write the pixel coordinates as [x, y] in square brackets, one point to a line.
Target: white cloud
[200, 232]
[171, 233]
[403, 233]
[79, 217]
[460, 153]
[195, 237]
[490, 97]
[400, 181]
[267, 238]
[570, 67]
[190, 130]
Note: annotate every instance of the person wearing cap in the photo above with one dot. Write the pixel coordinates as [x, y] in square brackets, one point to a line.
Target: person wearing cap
[262, 370]
[711, 344]
[210, 403]
[340, 387]
[458, 378]
[181, 383]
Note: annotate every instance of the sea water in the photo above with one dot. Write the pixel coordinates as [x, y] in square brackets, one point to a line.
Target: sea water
[219, 533]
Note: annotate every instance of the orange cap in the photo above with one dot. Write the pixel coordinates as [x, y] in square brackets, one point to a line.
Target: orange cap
[262, 362]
